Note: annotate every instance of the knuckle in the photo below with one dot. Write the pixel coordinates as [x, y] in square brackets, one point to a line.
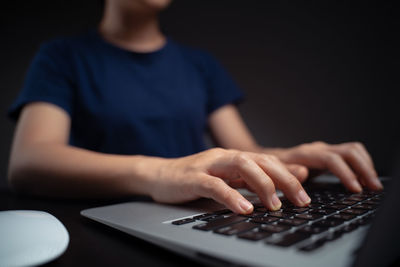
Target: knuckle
[217, 151]
[272, 158]
[357, 145]
[330, 157]
[352, 153]
[241, 158]
[208, 185]
[319, 143]
[267, 159]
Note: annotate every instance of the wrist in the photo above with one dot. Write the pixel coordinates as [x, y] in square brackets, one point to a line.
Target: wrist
[146, 172]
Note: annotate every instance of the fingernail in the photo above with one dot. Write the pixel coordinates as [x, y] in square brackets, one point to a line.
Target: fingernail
[378, 184]
[245, 205]
[356, 185]
[303, 197]
[276, 203]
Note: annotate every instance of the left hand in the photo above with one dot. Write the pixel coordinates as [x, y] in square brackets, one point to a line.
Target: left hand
[350, 162]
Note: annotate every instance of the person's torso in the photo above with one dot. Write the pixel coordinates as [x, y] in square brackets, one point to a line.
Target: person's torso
[133, 103]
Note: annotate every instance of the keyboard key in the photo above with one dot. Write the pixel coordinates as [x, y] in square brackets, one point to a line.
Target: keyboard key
[265, 219]
[236, 228]
[279, 214]
[328, 223]
[254, 236]
[342, 216]
[325, 200]
[363, 221]
[293, 222]
[322, 211]
[378, 198]
[289, 239]
[371, 202]
[354, 211]
[308, 216]
[336, 206]
[363, 206]
[253, 215]
[348, 228]
[346, 202]
[312, 229]
[318, 243]
[202, 216]
[315, 205]
[257, 205]
[338, 195]
[296, 210]
[221, 212]
[287, 204]
[274, 228]
[219, 223]
[315, 200]
[262, 209]
[212, 218]
[208, 217]
[357, 198]
[312, 246]
[331, 236]
[183, 221]
[368, 193]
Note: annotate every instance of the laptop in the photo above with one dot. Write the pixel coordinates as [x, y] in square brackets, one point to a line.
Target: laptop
[339, 228]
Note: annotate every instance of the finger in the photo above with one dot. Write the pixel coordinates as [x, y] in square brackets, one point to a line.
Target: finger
[360, 148]
[363, 151]
[300, 171]
[258, 180]
[355, 154]
[215, 188]
[288, 183]
[363, 168]
[339, 167]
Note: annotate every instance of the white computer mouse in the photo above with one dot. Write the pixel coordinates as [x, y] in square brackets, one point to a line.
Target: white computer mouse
[30, 237]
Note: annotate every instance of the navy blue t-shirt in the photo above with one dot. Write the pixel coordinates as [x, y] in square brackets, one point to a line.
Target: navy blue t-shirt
[124, 102]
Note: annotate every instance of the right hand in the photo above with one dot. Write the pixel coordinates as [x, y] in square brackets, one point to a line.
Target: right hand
[215, 173]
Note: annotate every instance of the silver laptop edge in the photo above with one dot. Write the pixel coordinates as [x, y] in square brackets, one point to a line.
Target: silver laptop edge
[151, 222]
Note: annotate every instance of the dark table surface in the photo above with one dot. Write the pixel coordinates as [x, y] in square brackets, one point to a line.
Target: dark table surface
[91, 243]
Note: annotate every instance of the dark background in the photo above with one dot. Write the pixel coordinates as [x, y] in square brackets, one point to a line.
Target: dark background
[311, 71]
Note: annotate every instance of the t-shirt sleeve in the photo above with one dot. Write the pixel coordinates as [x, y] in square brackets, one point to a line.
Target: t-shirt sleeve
[49, 79]
[222, 89]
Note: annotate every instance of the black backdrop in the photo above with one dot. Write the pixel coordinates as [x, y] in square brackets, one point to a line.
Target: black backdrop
[321, 70]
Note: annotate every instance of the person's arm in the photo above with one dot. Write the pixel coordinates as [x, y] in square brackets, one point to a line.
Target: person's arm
[43, 163]
[349, 161]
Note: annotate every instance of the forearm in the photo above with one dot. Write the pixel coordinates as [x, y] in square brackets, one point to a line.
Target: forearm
[230, 132]
[65, 171]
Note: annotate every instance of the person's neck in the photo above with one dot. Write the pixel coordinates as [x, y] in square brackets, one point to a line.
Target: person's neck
[132, 32]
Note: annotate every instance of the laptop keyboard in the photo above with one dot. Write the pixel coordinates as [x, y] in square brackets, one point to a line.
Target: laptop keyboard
[332, 212]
